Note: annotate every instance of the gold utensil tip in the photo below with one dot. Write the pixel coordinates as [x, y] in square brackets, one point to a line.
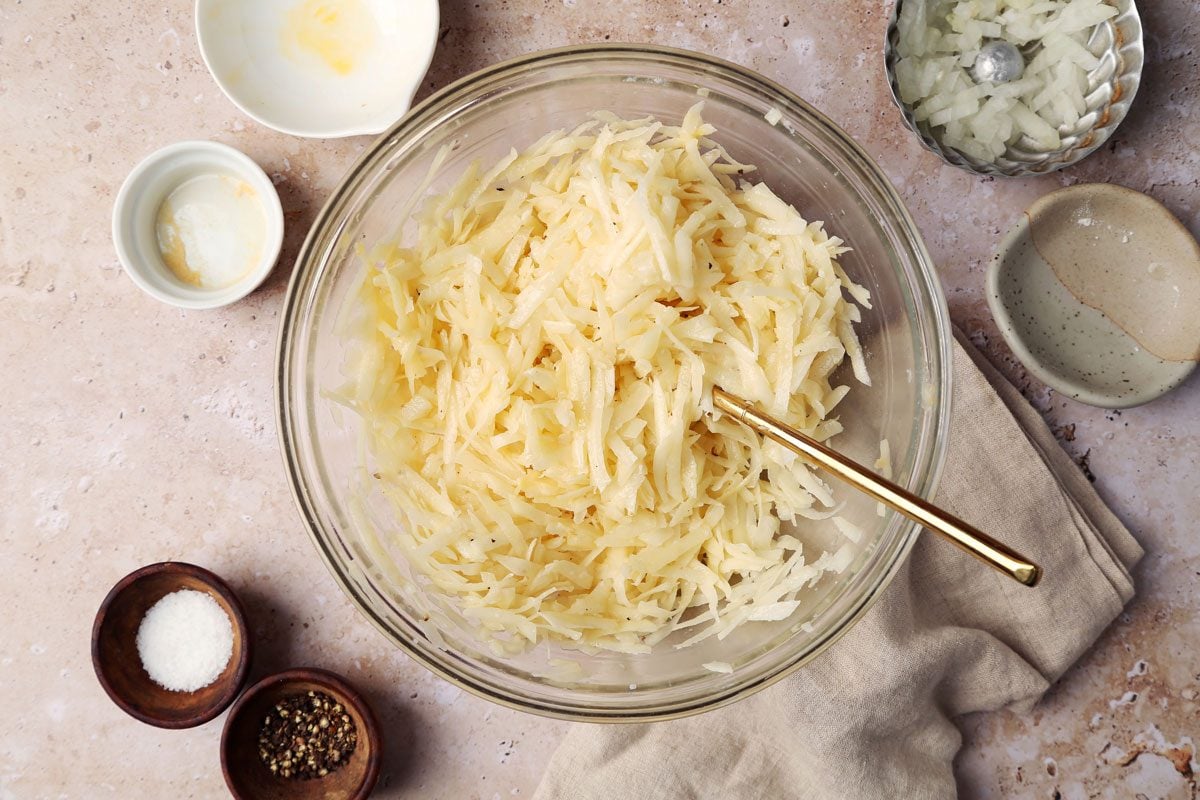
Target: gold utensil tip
[988, 550]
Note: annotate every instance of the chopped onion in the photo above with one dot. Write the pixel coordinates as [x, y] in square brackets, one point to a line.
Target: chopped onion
[939, 41]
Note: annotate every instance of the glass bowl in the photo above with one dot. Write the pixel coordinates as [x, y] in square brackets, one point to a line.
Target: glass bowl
[807, 161]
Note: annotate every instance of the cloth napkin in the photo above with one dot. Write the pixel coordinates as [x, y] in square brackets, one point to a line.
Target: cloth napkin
[873, 716]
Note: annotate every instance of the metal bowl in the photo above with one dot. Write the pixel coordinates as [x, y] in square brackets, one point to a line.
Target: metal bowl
[1112, 86]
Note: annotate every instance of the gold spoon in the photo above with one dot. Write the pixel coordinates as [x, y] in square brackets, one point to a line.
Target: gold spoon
[976, 542]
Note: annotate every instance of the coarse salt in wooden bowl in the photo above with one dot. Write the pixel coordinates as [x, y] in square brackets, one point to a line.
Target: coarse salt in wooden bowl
[119, 666]
[249, 778]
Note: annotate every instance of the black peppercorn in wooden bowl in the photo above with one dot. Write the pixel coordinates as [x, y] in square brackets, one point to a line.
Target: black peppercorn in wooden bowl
[301, 734]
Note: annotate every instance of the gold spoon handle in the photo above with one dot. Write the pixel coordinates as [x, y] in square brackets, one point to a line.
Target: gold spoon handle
[991, 552]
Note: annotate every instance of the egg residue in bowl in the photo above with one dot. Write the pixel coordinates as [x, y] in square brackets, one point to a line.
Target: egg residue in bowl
[333, 33]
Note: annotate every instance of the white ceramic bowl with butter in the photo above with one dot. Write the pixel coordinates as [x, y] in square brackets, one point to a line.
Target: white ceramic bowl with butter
[319, 68]
[239, 244]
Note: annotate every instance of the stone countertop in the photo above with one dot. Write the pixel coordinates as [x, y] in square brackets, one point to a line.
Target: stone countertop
[133, 432]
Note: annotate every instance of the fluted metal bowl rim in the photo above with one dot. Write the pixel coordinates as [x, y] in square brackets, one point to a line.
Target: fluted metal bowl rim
[1129, 39]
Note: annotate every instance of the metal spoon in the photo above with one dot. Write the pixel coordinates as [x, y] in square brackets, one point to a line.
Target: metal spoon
[977, 543]
[998, 62]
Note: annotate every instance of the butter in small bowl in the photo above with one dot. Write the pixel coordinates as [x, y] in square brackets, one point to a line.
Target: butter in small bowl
[197, 225]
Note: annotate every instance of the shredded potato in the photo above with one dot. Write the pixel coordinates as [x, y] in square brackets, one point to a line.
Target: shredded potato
[534, 376]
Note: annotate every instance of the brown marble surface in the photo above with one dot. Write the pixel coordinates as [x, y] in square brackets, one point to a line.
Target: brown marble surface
[133, 432]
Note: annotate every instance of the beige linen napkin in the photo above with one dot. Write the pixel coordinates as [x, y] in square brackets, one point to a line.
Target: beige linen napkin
[873, 717]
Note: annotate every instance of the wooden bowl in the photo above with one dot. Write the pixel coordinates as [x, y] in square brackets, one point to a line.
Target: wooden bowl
[248, 777]
[119, 667]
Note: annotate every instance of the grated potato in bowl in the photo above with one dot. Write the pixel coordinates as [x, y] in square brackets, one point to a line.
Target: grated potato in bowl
[533, 371]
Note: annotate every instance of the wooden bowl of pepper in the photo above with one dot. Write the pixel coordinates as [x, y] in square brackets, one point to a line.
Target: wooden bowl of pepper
[301, 734]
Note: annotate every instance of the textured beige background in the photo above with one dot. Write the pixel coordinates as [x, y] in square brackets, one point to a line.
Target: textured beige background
[131, 432]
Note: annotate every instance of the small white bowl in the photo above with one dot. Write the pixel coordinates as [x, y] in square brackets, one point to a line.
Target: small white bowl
[319, 68]
[143, 193]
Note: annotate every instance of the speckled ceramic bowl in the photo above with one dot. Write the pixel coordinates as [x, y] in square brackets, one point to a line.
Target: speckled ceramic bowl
[1113, 84]
[1096, 289]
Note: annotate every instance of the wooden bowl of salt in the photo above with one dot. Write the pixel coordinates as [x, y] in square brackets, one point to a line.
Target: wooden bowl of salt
[170, 645]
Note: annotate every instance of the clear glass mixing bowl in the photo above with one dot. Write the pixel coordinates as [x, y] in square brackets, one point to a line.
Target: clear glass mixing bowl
[806, 160]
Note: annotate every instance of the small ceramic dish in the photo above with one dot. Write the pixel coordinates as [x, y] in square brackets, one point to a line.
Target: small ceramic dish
[248, 778]
[1096, 289]
[206, 197]
[319, 68]
[119, 667]
[1112, 85]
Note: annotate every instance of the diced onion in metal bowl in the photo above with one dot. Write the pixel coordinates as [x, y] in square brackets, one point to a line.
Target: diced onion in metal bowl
[940, 40]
